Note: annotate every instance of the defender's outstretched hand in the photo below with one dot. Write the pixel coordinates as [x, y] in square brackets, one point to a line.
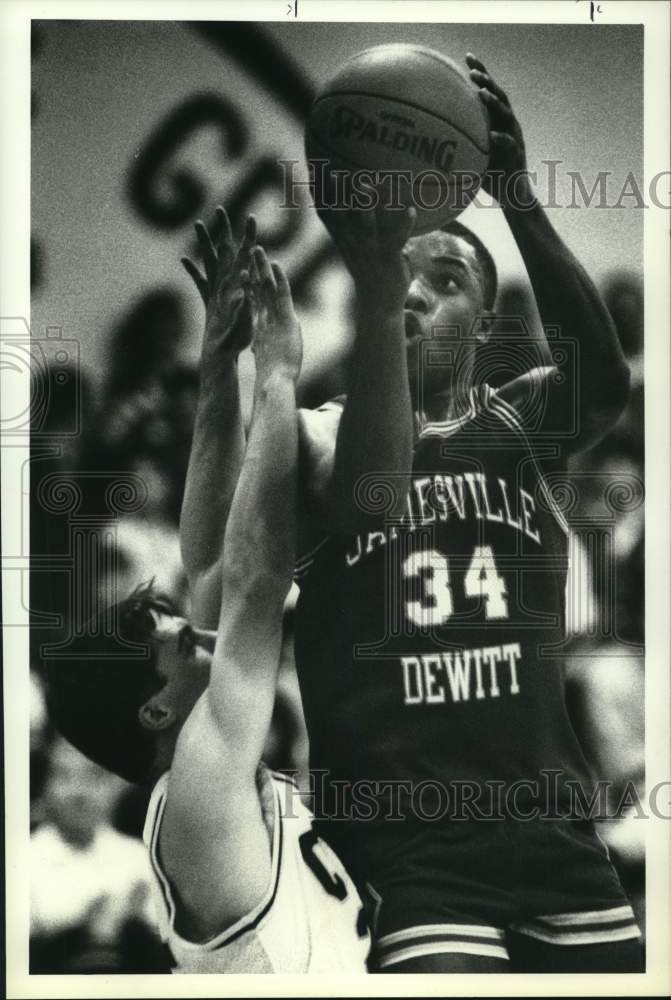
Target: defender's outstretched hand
[218, 442]
[277, 344]
[508, 155]
[223, 287]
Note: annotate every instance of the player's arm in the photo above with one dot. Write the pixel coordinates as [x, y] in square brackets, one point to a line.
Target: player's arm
[260, 538]
[213, 821]
[565, 294]
[375, 430]
[218, 438]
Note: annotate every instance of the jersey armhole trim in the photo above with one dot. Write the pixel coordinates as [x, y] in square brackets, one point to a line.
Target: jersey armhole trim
[510, 416]
[306, 561]
[445, 428]
[250, 920]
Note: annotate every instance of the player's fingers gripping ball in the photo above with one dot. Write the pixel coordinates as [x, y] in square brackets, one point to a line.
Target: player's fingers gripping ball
[407, 114]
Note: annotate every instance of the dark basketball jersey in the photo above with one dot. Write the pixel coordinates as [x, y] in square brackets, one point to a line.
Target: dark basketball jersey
[429, 648]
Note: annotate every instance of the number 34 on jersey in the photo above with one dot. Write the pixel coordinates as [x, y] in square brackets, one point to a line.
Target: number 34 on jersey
[477, 673]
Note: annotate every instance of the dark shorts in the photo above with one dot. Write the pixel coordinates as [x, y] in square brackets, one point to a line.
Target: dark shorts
[498, 890]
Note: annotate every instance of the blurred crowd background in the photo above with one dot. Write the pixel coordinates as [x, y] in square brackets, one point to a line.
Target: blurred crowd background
[112, 417]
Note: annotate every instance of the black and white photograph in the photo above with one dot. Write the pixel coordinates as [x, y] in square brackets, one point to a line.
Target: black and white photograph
[335, 357]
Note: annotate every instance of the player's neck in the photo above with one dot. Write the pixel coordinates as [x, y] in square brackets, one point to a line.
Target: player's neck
[441, 406]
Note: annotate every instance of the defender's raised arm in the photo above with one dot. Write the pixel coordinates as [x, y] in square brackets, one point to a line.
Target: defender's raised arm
[213, 818]
[218, 438]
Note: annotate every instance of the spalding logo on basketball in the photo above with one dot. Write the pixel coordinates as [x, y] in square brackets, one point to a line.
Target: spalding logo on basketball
[406, 111]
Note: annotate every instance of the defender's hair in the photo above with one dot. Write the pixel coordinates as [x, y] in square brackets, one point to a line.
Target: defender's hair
[484, 258]
[94, 696]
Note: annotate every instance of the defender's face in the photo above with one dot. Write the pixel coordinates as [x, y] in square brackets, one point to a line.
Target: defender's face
[183, 660]
[445, 292]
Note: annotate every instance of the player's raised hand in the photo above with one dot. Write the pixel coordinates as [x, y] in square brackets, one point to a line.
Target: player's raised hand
[508, 155]
[224, 286]
[371, 241]
[277, 343]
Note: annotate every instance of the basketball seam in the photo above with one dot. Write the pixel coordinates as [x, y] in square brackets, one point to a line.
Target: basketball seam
[407, 104]
[450, 181]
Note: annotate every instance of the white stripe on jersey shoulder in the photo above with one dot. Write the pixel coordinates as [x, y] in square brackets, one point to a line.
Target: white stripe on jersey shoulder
[444, 428]
[250, 920]
[511, 417]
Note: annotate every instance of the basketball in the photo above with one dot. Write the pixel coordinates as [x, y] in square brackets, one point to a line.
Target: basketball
[406, 111]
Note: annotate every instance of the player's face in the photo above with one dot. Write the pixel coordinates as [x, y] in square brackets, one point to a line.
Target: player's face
[445, 299]
[184, 657]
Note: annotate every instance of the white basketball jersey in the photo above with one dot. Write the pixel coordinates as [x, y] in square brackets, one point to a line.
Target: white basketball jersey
[309, 920]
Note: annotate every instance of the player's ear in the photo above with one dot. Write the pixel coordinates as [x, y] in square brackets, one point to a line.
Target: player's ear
[155, 715]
